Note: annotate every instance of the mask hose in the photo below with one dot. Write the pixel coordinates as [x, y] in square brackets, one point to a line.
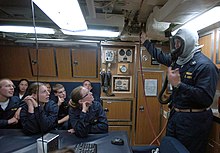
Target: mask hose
[164, 87]
[175, 53]
[160, 99]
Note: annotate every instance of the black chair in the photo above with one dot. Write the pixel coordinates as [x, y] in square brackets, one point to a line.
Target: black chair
[168, 145]
[144, 149]
[172, 145]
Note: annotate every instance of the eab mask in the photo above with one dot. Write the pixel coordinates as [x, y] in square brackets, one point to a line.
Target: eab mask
[177, 47]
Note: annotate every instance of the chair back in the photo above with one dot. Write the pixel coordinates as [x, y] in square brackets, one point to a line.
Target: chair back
[172, 145]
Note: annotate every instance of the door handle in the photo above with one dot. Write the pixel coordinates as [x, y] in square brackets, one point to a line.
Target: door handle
[141, 108]
[75, 63]
[106, 110]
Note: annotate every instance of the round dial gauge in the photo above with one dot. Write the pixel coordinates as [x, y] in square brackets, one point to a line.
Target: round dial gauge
[123, 68]
[122, 52]
[128, 52]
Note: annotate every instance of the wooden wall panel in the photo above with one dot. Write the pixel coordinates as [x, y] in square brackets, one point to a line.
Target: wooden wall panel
[46, 64]
[14, 62]
[63, 63]
[115, 69]
[146, 59]
[84, 62]
[117, 110]
[207, 39]
[217, 51]
[54, 63]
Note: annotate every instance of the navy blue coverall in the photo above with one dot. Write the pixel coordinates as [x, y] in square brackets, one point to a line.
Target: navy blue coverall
[93, 121]
[199, 78]
[63, 111]
[8, 113]
[42, 120]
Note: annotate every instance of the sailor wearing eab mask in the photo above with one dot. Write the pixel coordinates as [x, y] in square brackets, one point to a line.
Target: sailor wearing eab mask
[194, 78]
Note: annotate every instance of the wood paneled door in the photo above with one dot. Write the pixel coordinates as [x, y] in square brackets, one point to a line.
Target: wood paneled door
[148, 117]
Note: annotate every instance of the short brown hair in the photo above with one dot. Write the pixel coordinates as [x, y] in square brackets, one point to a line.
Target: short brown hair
[57, 87]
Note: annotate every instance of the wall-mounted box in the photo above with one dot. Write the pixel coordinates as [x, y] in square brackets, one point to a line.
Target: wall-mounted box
[121, 84]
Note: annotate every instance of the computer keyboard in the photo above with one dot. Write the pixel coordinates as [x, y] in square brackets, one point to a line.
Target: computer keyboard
[85, 148]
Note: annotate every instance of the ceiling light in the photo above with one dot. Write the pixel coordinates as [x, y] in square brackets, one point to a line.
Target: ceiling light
[94, 33]
[206, 19]
[59, 42]
[65, 13]
[62, 40]
[26, 29]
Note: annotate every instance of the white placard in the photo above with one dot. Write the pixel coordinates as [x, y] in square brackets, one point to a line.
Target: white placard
[150, 86]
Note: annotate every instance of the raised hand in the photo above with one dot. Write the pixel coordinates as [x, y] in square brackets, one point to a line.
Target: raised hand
[173, 76]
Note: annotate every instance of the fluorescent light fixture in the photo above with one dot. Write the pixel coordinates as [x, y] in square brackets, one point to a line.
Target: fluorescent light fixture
[26, 29]
[94, 33]
[63, 40]
[59, 43]
[65, 13]
[204, 20]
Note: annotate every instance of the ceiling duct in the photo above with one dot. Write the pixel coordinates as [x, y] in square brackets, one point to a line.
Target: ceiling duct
[155, 30]
[181, 11]
[177, 12]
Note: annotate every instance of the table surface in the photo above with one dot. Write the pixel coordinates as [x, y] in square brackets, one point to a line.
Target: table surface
[13, 140]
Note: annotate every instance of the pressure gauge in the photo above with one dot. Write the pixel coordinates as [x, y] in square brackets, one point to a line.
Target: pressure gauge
[123, 68]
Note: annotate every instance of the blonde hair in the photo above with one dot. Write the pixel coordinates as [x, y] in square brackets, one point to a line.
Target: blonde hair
[75, 96]
[4, 79]
[34, 87]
